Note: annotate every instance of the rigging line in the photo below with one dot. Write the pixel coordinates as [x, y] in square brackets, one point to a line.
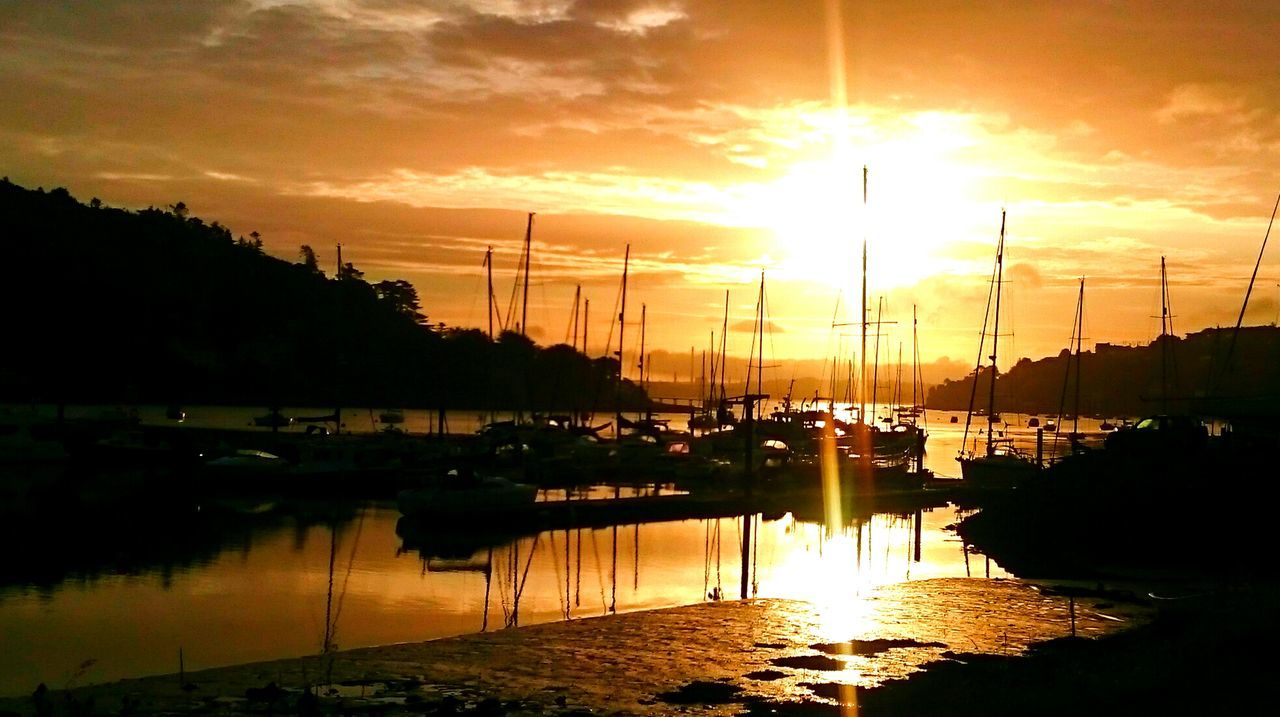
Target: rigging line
[491, 301]
[328, 604]
[524, 578]
[346, 579]
[515, 287]
[1062, 402]
[982, 339]
[719, 584]
[502, 591]
[595, 548]
[773, 348]
[706, 557]
[564, 606]
[1231, 348]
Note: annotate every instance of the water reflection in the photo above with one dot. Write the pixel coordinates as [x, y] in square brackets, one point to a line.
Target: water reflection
[291, 581]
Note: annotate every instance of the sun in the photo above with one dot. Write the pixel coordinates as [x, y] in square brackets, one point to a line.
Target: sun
[921, 189]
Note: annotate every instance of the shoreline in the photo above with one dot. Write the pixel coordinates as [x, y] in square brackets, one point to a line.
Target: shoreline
[711, 658]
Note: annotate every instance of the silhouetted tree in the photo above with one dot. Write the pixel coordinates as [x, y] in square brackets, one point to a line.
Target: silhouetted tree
[348, 271]
[401, 297]
[309, 260]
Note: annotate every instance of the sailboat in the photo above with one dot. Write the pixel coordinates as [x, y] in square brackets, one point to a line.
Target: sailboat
[1000, 464]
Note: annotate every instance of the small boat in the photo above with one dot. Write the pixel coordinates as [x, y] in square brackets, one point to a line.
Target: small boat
[955, 419]
[391, 416]
[272, 419]
[1050, 425]
[1107, 426]
[1033, 423]
[175, 413]
[249, 460]
[462, 495]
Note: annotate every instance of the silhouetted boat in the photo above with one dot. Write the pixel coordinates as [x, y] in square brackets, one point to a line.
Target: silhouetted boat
[462, 495]
[175, 413]
[272, 419]
[1001, 464]
[391, 417]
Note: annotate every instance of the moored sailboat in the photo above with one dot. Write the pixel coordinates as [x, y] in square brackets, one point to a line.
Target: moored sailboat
[1000, 464]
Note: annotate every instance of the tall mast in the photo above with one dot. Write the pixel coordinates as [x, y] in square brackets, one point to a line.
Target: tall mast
[711, 386]
[897, 391]
[702, 383]
[337, 411]
[1075, 421]
[577, 302]
[915, 359]
[586, 314]
[1165, 320]
[640, 364]
[524, 302]
[488, 262]
[622, 323]
[995, 338]
[862, 380]
[875, 368]
[760, 359]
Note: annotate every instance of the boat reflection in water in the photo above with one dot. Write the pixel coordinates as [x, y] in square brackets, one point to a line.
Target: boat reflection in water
[264, 594]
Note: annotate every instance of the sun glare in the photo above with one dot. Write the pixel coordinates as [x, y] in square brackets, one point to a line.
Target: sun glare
[922, 188]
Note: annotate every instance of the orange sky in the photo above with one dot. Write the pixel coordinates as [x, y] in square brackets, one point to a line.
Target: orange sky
[707, 134]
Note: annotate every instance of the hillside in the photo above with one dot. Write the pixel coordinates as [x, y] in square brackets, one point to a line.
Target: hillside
[111, 305]
[1126, 381]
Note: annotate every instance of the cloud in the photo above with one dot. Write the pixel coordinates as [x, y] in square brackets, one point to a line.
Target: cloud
[417, 133]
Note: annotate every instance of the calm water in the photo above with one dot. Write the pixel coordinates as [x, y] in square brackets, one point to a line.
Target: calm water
[260, 586]
[264, 595]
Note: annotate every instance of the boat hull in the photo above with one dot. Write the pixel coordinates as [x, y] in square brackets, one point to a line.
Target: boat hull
[1007, 470]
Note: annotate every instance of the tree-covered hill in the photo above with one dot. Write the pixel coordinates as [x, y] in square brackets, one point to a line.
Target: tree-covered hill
[112, 305]
[1200, 373]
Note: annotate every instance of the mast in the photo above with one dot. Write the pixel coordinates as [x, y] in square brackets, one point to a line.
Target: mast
[875, 368]
[915, 360]
[622, 323]
[586, 314]
[1165, 330]
[702, 382]
[995, 338]
[640, 364]
[760, 359]
[711, 386]
[488, 262]
[577, 302]
[862, 380]
[1075, 421]
[337, 411]
[897, 391]
[524, 302]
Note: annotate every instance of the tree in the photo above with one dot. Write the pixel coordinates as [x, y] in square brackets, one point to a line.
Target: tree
[309, 260]
[349, 271]
[178, 210]
[400, 296]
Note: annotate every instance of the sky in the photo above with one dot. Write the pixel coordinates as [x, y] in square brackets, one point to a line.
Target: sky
[718, 139]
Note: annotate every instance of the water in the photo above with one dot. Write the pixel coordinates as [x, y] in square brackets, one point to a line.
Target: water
[122, 598]
[263, 594]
